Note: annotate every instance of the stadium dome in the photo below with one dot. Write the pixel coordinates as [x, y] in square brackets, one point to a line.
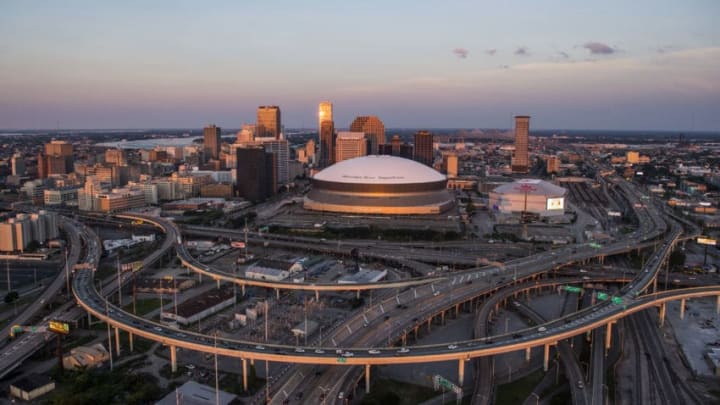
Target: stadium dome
[543, 199]
[379, 185]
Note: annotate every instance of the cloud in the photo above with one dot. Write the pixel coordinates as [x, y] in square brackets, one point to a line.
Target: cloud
[564, 54]
[598, 48]
[522, 51]
[491, 52]
[461, 53]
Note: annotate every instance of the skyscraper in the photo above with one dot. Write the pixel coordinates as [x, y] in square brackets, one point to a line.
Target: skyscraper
[211, 142]
[423, 150]
[268, 122]
[255, 176]
[17, 164]
[520, 160]
[58, 159]
[350, 145]
[374, 130]
[326, 131]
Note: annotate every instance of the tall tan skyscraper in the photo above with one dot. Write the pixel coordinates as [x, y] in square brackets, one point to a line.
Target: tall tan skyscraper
[520, 160]
[326, 131]
[423, 151]
[268, 122]
[58, 159]
[211, 142]
[350, 145]
[374, 130]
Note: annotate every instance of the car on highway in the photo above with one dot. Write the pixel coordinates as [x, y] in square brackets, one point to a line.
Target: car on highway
[157, 329]
[452, 347]
[541, 329]
[299, 350]
[436, 293]
[260, 347]
[403, 350]
[373, 351]
[348, 354]
[580, 384]
[319, 351]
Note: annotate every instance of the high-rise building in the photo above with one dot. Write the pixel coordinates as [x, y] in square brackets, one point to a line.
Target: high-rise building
[211, 142]
[553, 164]
[254, 173]
[117, 157]
[450, 165]
[423, 149]
[633, 157]
[520, 161]
[58, 159]
[17, 164]
[374, 130]
[350, 145]
[326, 131]
[328, 140]
[246, 134]
[310, 150]
[268, 122]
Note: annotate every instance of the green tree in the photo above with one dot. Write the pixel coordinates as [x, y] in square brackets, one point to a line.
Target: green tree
[11, 296]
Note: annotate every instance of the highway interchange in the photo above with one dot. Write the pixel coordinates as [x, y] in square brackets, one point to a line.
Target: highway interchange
[367, 337]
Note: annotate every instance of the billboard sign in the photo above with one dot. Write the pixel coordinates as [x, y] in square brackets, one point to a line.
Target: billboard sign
[237, 244]
[555, 203]
[134, 266]
[59, 327]
[706, 241]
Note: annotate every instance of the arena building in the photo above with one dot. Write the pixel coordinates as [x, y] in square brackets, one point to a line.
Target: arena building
[543, 199]
[379, 185]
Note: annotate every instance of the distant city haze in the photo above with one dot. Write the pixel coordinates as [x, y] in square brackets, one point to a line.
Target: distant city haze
[618, 65]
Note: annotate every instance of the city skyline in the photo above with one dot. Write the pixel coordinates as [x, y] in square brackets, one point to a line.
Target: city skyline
[619, 67]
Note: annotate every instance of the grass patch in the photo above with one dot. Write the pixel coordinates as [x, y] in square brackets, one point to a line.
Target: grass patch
[516, 392]
[143, 306]
[391, 392]
[100, 386]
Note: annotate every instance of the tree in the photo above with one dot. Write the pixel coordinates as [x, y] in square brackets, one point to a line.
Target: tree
[11, 296]
[677, 258]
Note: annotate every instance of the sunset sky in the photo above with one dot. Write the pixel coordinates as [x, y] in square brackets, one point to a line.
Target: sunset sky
[641, 64]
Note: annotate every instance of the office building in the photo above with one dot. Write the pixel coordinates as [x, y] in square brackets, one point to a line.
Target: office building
[633, 157]
[520, 160]
[116, 157]
[17, 233]
[553, 164]
[254, 173]
[450, 165]
[310, 151]
[268, 122]
[211, 142]
[17, 164]
[326, 131]
[350, 145]
[374, 131]
[246, 134]
[423, 148]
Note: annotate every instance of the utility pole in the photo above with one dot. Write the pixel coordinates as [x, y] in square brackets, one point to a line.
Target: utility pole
[110, 351]
[67, 274]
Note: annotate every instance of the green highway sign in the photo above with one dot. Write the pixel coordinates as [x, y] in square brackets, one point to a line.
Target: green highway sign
[341, 359]
[602, 296]
[570, 288]
[617, 300]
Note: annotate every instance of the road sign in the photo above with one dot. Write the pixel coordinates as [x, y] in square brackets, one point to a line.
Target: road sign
[595, 245]
[602, 296]
[617, 300]
[341, 360]
[59, 327]
[570, 288]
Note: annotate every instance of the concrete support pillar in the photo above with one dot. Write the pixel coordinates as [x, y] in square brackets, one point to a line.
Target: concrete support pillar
[357, 294]
[655, 285]
[527, 354]
[662, 314]
[277, 293]
[546, 356]
[200, 278]
[682, 308]
[130, 340]
[218, 283]
[717, 305]
[461, 372]
[117, 341]
[404, 339]
[245, 375]
[608, 336]
[442, 318]
[417, 330]
[457, 310]
[242, 289]
[173, 359]
[367, 378]
[317, 295]
[429, 322]
[252, 362]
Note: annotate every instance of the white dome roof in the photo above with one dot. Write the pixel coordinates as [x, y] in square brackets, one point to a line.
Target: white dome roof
[532, 186]
[379, 169]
